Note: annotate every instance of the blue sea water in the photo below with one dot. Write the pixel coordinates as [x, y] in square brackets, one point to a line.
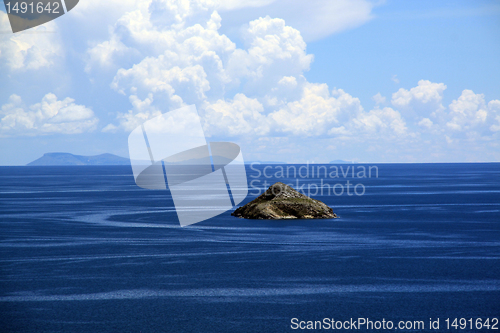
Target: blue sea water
[83, 249]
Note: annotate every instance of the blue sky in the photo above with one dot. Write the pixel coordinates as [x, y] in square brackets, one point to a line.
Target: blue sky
[369, 81]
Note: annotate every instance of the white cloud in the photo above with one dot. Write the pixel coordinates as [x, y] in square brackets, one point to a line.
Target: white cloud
[31, 50]
[386, 121]
[142, 110]
[109, 128]
[289, 82]
[496, 127]
[112, 9]
[188, 66]
[315, 19]
[316, 112]
[47, 117]
[426, 122]
[157, 76]
[467, 119]
[288, 88]
[92, 18]
[470, 112]
[239, 4]
[379, 99]
[242, 115]
[329, 17]
[494, 108]
[166, 54]
[423, 99]
[276, 50]
[197, 65]
[103, 54]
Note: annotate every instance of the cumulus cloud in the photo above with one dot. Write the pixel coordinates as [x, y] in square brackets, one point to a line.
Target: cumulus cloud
[471, 114]
[468, 122]
[103, 54]
[141, 111]
[496, 126]
[317, 111]
[494, 108]
[165, 55]
[183, 65]
[276, 50]
[195, 64]
[241, 115]
[426, 122]
[190, 62]
[156, 76]
[39, 48]
[239, 4]
[47, 117]
[199, 63]
[469, 117]
[386, 121]
[379, 99]
[288, 82]
[468, 111]
[329, 17]
[422, 100]
[92, 18]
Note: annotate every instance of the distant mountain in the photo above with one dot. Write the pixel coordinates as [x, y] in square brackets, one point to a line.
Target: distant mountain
[110, 159]
[70, 159]
[341, 162]
[265, 162]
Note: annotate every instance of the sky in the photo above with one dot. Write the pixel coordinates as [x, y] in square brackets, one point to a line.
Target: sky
[291, 81]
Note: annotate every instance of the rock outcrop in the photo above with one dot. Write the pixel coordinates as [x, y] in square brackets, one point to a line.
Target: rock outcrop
[281, 201]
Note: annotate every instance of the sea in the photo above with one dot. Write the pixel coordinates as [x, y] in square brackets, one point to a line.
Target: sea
[84, 249]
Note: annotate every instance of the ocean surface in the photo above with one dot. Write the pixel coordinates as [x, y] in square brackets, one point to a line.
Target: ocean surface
[83, 249]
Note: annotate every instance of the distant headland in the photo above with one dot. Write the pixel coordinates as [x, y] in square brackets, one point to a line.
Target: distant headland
[341, 162]
[54, 159]
[62, 159]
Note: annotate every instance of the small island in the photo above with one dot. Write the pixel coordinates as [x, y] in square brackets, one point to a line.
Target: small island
[281, 201]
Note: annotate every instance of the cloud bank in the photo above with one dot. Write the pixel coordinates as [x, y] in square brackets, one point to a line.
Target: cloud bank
[47, 117]
[163, 54]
